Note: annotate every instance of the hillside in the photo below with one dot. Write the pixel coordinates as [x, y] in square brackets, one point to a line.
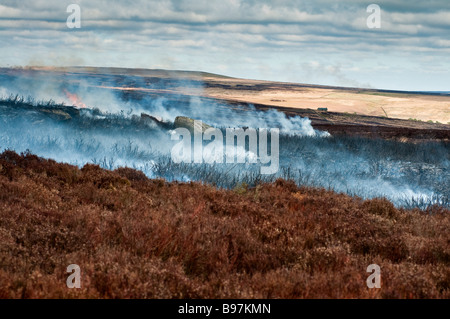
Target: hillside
[404, 116]
[361, 101]
[139, 238]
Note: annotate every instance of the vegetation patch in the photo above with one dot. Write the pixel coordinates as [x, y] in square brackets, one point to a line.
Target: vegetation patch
[135, 237]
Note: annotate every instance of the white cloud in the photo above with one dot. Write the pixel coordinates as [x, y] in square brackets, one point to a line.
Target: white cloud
[270, 39]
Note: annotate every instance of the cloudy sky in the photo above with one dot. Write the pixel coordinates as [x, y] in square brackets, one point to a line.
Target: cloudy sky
[309, 41]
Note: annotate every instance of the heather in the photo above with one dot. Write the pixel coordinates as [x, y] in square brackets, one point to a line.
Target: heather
[136, 237]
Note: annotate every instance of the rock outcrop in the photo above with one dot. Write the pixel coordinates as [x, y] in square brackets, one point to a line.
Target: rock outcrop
[190, 124]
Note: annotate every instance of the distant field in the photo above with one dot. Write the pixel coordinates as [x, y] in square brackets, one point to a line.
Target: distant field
[393, 104]
[404, 116]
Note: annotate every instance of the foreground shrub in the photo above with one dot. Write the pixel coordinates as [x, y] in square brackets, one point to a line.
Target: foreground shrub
[134, 237]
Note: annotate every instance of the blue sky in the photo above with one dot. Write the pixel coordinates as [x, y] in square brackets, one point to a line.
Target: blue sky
[318, 42]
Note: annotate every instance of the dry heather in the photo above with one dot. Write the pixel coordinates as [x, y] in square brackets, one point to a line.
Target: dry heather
[139, 238]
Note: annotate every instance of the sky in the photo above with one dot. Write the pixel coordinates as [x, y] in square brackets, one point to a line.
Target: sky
[316, 42]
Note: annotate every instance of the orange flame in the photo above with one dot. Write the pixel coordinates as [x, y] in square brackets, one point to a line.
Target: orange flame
[74, 99]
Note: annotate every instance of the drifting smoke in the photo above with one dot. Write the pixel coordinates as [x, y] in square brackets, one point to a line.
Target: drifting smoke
[88, 91]
[108, 130]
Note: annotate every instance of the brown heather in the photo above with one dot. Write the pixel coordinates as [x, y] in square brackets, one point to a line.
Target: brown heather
[139, 238]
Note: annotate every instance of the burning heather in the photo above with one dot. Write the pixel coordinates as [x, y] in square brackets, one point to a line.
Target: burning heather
[100, 119]
[74, 99]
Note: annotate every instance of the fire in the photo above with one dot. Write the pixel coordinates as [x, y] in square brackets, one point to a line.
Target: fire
[74, 99]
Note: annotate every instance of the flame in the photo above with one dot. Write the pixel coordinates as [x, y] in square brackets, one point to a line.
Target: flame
[75, 99]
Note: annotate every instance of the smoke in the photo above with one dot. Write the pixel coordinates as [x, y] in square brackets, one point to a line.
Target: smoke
[109, 131]
[221, 115]
[94, 90]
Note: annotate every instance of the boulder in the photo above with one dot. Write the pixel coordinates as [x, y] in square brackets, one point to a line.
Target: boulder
[187, 122]
[153, 121]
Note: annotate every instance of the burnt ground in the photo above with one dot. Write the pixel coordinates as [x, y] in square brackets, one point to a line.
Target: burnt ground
[369, 126]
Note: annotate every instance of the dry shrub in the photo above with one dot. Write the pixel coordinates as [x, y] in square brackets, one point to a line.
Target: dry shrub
[381, 207]
[134, 237]
[131, 174]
